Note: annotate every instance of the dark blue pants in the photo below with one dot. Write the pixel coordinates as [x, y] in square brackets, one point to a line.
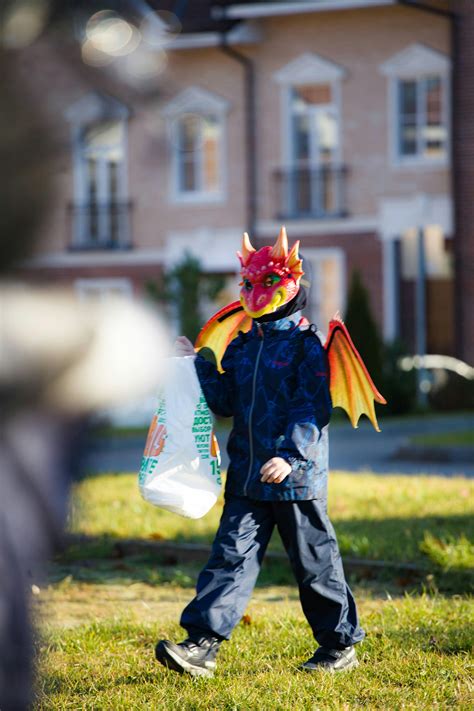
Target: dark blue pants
[226, 583]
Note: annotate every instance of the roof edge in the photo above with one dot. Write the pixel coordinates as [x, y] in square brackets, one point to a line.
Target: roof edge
[240, 11]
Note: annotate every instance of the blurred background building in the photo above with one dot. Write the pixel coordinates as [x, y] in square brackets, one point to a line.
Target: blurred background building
[184, 123]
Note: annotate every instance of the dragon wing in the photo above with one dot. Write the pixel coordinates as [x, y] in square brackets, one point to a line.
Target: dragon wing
[350, 383]
[221, 329]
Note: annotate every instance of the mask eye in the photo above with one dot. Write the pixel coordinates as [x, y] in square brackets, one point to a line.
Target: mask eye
[248, 285]
[270, 280]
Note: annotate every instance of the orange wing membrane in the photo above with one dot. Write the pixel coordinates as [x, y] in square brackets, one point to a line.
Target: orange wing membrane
[221, 329]
[350, 383]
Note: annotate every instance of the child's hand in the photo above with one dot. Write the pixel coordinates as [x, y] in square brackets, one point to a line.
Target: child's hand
[275, 471]
[183, 347]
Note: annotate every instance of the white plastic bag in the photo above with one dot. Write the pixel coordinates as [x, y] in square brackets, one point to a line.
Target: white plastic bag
[180, 469]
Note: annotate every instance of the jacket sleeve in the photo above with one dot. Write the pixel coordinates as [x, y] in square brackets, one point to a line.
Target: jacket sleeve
[309, 409]
[218, 388]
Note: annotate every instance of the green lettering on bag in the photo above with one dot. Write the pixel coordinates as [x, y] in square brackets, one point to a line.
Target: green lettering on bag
[216, 470]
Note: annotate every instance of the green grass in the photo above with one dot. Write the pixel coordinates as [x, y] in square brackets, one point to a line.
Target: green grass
[445, 439]
[99, 615]
[416, 655]
[395, 518]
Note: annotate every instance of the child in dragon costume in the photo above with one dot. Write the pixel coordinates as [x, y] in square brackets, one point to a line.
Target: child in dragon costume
[270, 372]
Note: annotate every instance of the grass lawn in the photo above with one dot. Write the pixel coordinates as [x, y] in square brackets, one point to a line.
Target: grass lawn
[417, 519]
[445, 439]
[96, 652]
[99, 616]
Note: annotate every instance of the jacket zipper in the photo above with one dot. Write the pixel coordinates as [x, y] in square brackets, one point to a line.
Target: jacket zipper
[252, 404]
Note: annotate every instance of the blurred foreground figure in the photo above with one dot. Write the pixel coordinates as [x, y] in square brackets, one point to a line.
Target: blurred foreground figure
[59, 361]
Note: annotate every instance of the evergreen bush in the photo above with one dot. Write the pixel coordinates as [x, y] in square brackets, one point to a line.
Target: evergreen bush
[185, 287]
[397, 386]
[363, 328]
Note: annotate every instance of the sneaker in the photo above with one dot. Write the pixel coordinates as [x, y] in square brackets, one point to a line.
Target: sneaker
[195, 657]
[332, 660]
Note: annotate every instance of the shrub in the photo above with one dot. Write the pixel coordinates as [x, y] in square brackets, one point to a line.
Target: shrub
[398, 386]
[363, 329]
[184, 287]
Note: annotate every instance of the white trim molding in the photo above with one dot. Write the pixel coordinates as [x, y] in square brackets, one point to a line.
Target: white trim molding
[309, 68]
[105, 259]
[272, 9]
[94, 107]
[244, 33]
[194, 99]
[397, 215]
[304, 228]
[416, 60]
[215, 248]
[100, 288]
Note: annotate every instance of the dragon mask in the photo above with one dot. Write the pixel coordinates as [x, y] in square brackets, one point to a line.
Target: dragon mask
[270, 277]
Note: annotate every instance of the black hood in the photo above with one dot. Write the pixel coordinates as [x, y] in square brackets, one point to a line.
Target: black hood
[297, 303]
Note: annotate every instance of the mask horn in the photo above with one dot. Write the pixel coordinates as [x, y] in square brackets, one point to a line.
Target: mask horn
[247, 249]
[294, 263]
[280, 249]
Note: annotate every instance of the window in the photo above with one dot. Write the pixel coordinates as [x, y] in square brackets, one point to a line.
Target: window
[314, 142]
[101, 153]
[314, 125]
[196, 121]
[419, 106]
[310, 183]
[422, 130]
[100, 208]
[198, 148]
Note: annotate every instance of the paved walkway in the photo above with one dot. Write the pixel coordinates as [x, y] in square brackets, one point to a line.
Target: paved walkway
[364, 448]
[352, 450]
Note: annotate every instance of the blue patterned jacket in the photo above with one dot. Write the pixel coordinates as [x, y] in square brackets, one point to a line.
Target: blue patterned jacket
[275, 385]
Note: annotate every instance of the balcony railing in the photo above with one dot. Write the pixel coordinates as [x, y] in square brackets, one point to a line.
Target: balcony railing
[100, 226]
[309, 192]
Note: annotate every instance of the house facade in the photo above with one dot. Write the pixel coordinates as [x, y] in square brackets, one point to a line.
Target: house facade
[333, 118]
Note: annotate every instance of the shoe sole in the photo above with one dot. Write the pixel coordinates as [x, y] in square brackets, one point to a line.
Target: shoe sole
[169, 659]
[331, 670]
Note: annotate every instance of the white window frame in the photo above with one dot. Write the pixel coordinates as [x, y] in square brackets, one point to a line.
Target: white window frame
[308, 69]
[102, 287]
[204, 104]
[415, 63]
[91, 109]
